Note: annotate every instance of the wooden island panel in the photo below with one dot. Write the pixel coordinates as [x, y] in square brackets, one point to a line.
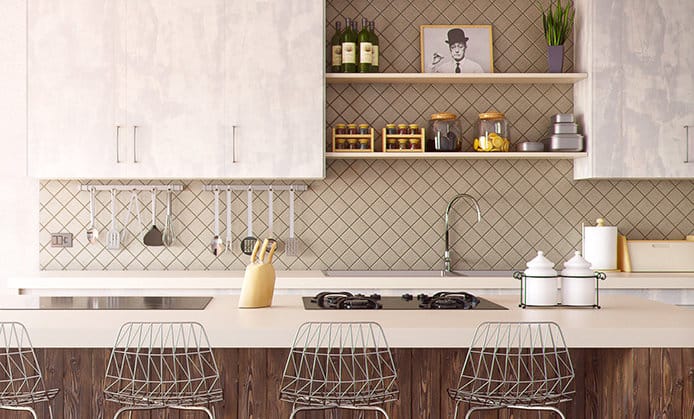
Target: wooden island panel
[610, 383]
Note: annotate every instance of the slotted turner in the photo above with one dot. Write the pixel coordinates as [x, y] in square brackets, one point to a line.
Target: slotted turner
[113, 237]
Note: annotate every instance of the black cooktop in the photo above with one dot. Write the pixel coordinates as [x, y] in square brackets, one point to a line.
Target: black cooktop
[445, 300]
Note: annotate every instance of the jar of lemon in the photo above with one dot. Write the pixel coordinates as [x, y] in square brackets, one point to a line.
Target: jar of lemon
[492, 131]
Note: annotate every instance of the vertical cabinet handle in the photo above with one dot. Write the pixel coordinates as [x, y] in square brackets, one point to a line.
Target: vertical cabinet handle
[135, 127]
[118, 144]
[233, 144]
[686, 143]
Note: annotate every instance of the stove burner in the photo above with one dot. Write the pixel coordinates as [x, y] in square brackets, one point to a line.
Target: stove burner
[347, 301]
[448, 300]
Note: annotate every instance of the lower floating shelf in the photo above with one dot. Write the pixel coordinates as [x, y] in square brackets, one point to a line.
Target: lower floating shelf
[475, 155]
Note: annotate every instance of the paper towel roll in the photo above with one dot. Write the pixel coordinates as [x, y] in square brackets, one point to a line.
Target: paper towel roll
[600, 246]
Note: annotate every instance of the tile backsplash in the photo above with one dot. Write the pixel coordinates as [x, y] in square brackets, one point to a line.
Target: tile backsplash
[384, 215]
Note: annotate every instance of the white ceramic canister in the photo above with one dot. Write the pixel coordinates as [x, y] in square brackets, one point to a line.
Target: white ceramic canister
[577, 282]
[541, 282]
[600, 246]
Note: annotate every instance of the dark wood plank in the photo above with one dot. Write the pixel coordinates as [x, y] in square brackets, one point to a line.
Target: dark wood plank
[403, 364]
[640, 393]
[688, 391]
[426, 384]
[673, 382]
[576, 408]
[592, 380]
[655, 382]
[228, 364]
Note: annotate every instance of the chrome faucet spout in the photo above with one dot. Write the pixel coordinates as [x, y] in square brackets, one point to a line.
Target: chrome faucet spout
[447, 252]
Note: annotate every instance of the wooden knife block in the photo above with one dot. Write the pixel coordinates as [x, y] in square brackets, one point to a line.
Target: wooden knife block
[258, 286]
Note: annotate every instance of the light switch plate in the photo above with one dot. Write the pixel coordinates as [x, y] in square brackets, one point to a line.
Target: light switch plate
[61, 239]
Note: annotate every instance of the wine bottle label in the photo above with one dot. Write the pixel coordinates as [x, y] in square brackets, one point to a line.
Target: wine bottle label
[337, 55]
[374, 56]
[365, 52]
[349, 53]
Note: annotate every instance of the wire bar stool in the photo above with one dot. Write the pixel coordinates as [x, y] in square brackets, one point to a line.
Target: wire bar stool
[339, 365]
[162, 365]
[515, 365]
[21, 381]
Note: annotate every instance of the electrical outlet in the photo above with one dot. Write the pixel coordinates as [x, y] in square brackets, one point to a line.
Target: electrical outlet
[61, 239]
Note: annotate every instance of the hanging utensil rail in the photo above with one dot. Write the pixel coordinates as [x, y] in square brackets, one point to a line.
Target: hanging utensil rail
[298, 188]
[150, 188]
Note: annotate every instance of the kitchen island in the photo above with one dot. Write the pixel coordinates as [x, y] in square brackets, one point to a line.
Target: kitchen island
[633, 358]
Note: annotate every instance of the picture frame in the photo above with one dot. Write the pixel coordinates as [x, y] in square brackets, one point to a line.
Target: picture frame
[473, 44]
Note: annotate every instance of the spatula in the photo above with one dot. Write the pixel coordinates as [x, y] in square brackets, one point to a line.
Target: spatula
[113, 237]
[154, 236]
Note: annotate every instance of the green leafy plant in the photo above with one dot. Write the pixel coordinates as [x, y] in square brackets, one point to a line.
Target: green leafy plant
[557, 22]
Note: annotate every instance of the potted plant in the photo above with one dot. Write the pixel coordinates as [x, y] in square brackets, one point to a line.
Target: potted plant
[557, 22]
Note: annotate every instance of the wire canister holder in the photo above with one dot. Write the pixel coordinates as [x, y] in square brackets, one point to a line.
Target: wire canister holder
[598, 276]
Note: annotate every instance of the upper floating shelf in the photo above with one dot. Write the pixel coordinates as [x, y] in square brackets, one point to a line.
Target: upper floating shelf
[455, 156]
[472, 78]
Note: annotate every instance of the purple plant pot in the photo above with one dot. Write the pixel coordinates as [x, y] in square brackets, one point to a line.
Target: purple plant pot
[555, 58]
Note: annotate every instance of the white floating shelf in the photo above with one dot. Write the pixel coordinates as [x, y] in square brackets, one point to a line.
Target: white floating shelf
[469, 78]
[454, 156]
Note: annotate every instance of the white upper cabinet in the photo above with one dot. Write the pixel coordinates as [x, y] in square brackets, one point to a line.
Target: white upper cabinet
[73, 79]
[275, 87]
[176, 89]
[639, 94]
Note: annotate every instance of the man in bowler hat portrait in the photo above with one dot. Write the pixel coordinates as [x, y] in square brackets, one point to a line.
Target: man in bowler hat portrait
[456, 63]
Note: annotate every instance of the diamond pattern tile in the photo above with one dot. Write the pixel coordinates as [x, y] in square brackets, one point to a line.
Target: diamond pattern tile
[384, 215]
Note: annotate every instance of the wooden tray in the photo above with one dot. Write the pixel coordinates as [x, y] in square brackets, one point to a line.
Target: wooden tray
[347, 137]
[396, 137]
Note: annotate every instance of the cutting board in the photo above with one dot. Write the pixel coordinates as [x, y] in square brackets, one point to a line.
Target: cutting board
[661, 255]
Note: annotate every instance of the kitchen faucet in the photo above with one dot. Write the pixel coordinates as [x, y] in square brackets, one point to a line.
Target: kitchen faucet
[447, 254]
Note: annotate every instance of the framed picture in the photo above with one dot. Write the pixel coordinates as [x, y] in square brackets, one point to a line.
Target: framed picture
[456, 48]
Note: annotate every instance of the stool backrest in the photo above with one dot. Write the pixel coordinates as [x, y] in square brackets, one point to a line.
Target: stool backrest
[162, 360]
[20, 373]
[341, 361]
[518, 362]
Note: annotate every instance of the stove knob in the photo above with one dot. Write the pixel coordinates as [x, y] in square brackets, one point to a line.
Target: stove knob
[407, 297]
[421, 297]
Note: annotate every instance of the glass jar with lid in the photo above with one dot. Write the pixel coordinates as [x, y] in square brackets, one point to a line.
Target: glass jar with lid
[493, 133]
[444, 132]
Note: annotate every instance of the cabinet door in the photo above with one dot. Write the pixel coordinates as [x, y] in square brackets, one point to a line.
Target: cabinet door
[641, 91]
[175, 96]
[275, 89]
[72, 85]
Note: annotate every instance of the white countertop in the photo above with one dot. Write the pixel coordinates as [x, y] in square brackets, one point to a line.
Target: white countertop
[229, 282]
[624, 321]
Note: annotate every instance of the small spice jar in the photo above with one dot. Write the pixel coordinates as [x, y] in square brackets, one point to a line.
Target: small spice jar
[364, 143]
[352, 143]
[351, 129]
[364, 129]
[340, 143]
[391, 144]
[340, 129]
[415, 144]
[390, 129]
[402, 144]
[414, 129]
[403, 129]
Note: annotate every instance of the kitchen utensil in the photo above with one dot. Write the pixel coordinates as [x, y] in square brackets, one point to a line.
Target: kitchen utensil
[153, 237]
[600, 245]
[292, 243]
[530, 146]
[228, 224]
[168, 236]
[565, 128]
[271, 218]
[564, 142]
[259, 278]
[248, 242]
[92, 231]
[133, 204]
[661, 255]
[113, 237]
[444, 132]
[216, 245]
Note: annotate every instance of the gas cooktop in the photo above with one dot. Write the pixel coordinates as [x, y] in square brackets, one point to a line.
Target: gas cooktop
[444, 300]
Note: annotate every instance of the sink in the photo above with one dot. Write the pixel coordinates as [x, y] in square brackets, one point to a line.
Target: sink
[414, 274]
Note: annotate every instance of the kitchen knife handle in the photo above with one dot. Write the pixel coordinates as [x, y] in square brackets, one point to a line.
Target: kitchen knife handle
[118, 144]
[686, 143]
[233, 144]
[135, 127]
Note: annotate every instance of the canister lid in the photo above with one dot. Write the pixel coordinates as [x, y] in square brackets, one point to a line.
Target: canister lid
[577, 266]
[492, 115]
[442, 116]
[540, 266]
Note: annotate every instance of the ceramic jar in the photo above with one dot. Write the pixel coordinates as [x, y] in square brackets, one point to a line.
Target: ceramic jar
[578, 282]
[540, 282]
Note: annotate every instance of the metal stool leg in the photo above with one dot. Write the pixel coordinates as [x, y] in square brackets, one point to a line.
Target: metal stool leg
[543, 408]
[296, 410]
[198, 408]
[21, 408]
[469, 412]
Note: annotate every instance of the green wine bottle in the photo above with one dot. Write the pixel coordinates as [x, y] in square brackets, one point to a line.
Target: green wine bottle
[349, 48]
[336, 49]
[365, 47]
[374, 47]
